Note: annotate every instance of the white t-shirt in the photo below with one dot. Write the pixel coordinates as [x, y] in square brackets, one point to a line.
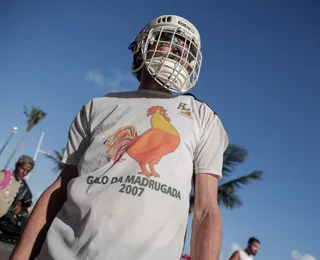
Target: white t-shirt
[244, 256]
[135, 153]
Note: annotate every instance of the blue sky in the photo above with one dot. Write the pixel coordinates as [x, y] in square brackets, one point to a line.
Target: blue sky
[260, 73]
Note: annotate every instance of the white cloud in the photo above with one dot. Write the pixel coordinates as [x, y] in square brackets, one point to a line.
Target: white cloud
[118, 80]
[114, 80]
[95, 77]
[295, 255]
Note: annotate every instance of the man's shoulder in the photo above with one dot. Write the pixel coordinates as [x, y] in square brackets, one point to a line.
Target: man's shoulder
[24, 182]
[118, 94]
[136, 96]
[24, 186]
[4, 174]
[235, 255]
[202, 105]
[95, 103]
[113, 97]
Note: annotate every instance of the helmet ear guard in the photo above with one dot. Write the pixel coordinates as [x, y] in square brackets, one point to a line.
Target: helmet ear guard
[137, 65]
[169, 47]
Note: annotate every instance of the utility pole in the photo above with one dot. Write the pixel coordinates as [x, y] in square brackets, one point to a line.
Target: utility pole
[13, 131]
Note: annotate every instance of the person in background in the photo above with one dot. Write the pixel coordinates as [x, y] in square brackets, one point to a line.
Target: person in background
[248, 253]
[15, 199]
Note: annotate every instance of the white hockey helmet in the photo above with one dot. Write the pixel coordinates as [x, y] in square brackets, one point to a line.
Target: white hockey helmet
[170, 48]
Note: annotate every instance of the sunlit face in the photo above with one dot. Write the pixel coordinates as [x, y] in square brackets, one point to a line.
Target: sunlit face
[22, 171]
[254, 248]
[177, 47]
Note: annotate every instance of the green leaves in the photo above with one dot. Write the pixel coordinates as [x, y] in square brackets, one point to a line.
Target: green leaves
[33, 117]
[56, 158]
[227, 191]
[233, 156]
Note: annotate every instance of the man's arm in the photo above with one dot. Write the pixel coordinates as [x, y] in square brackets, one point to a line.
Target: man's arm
[42, 216]
[235, 256]
[207, 224]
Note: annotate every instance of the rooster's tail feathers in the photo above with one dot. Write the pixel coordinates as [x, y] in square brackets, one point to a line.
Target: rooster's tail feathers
[117, 143]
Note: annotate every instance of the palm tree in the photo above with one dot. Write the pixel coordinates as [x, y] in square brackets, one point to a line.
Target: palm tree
[56, 158]
[33, 118]
[227, 195]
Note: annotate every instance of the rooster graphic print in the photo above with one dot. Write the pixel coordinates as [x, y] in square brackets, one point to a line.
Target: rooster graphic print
[149, 147]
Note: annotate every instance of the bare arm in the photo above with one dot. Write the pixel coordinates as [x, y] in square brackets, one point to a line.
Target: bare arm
[42, 216]
[207, 224]
[235, 256]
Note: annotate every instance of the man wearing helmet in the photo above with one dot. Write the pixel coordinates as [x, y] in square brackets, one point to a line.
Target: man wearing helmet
[169, 50]
[130, 158]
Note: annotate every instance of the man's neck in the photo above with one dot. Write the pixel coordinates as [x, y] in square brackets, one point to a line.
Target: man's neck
[154, 87]
[148, 83]
[247, 250]
[15, 176]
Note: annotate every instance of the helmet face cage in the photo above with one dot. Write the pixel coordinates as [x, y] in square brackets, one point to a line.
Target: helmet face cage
[172, 57]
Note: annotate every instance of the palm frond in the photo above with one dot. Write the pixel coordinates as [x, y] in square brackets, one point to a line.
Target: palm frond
[233, 156]
[33, 117]
[228, 198]
[57, 159]
[26, 111]
[236, 183]
[227, 191]
[59, 155]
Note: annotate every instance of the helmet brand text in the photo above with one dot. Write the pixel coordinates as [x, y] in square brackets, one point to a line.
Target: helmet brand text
[186, 26]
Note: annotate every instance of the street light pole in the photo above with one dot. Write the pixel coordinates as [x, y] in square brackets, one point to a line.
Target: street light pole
[13, 131]
[38, 150]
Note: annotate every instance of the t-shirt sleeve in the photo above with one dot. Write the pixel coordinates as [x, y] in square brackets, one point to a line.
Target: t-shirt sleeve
[208, 157]
[78, 137]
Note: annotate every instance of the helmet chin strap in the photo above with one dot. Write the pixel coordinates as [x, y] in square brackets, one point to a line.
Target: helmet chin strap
[168, 73]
